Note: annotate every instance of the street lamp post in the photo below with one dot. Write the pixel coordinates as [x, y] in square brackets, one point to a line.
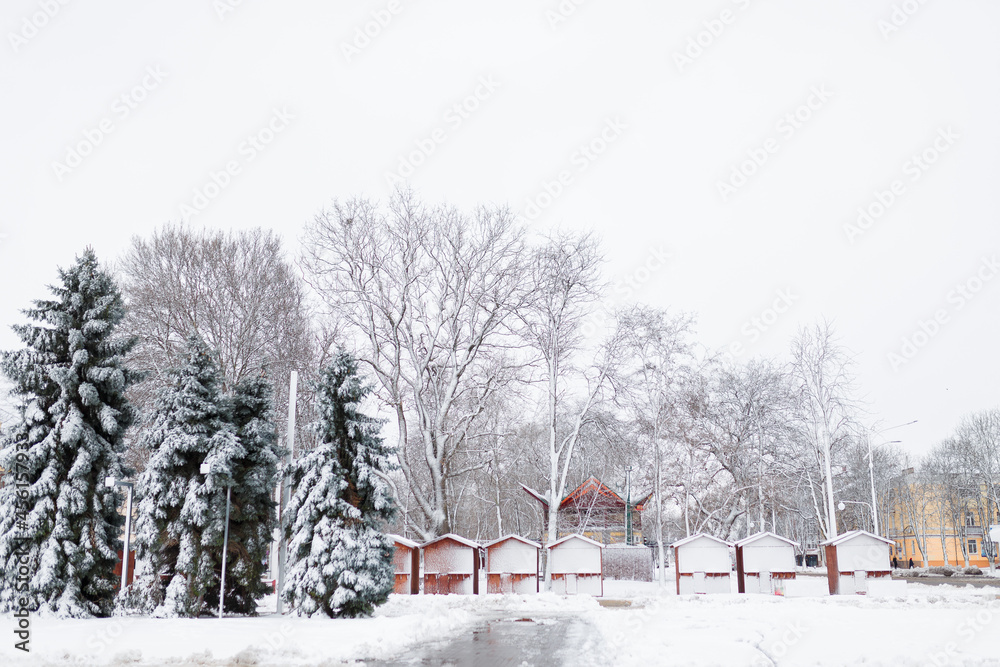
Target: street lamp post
[286, 488]
[111, 482]
[841, 506]
[205, 469]
[628, 505]
[871, 470]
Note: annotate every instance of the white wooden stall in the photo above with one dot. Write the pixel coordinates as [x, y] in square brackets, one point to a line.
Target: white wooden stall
[854, 559]
[703, 564]
[451, 565]
[512, 565]
[406, 563]
[764, 562]
[576, 565]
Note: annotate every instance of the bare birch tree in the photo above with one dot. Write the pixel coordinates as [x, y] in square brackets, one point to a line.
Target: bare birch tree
[822, 370]
[978, 435]
[565, 273]
[659, 360]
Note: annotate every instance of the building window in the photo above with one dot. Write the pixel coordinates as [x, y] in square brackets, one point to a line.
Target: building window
[972, 547]
[970, 519]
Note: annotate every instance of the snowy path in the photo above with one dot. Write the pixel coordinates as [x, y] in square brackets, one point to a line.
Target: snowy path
[548, 640]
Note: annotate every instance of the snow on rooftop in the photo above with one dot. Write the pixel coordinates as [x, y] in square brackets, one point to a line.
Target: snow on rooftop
[759, 536]
[453, 537]
[402, 540]
[575, 536]
[854, 534]
[513, 537]
[700, 536]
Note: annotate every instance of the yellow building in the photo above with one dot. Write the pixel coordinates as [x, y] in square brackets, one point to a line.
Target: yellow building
[932, 524]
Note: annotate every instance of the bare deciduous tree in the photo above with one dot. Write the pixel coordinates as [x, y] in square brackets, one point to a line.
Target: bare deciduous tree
[822, 370]
[566, 282]
[235, 289]
[429, 295]
[659, 363]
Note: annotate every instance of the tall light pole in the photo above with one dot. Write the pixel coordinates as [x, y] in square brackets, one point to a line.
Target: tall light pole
[628, 505]
[286, 487]
[205, 469]
[871, 470]
[111, 482]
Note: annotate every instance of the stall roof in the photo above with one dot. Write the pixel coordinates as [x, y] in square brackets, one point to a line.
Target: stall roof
[850, 535]
[456, 538]
[681, 543]
[513, 537]
[754, 538]
[575, 536]
[405, 542]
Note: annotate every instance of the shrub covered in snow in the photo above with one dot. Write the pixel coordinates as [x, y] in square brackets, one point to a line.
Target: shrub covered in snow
[54, 507]
[943, 570]
[972, 570]
[340, 562]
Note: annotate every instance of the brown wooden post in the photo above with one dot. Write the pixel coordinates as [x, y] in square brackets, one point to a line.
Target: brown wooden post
[740, 574]
[475, 571]
[415, 571]
[832, 569]
[602, 572]
[677, 570]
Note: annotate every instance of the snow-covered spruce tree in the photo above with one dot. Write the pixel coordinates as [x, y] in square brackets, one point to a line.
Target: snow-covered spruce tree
[181, 511]
[252, 516]
[54, 507]
[340, 561]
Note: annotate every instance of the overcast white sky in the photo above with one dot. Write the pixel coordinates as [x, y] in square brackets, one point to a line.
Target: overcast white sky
[333, 114]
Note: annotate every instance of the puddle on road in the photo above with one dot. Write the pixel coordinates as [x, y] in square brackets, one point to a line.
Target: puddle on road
[511, 641]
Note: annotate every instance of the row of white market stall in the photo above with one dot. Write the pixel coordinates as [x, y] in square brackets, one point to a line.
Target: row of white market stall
[857, 562]
[452, 564]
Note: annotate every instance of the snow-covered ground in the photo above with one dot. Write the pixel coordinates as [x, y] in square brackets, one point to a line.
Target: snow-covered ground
[929, 625]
